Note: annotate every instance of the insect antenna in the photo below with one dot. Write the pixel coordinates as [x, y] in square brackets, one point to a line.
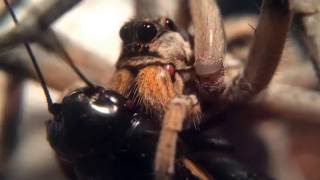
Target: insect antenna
[59, 47]
[51, 106]
[34, 61]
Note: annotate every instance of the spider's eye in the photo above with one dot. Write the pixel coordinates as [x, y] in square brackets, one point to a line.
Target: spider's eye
[125, 34]
[146, 32]
[170, 24]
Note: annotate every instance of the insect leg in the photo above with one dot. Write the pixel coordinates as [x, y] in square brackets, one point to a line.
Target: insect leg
[224, 167]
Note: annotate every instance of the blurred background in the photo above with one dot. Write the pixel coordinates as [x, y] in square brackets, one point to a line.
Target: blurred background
[89, 32]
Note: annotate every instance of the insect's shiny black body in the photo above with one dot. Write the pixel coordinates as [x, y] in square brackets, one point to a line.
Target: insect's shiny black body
[99, 134]
[91, 127]
[87, 117]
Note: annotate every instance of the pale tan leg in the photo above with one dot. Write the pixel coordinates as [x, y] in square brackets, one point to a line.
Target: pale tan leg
[209, 46]
[171, 126]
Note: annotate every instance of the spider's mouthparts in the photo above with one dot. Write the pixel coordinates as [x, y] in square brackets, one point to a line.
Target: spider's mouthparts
[171, 69]
[136, 48]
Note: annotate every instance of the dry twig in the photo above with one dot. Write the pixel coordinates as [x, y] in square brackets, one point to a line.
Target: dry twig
[37, 22]
[35, 26]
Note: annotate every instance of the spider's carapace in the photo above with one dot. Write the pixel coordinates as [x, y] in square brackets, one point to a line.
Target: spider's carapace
[155, 64]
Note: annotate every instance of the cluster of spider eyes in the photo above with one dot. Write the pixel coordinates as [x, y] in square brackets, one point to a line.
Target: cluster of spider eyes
[144, 31]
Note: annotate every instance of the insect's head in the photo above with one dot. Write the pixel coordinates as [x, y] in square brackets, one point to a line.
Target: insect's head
[90, 118]
[147, 42]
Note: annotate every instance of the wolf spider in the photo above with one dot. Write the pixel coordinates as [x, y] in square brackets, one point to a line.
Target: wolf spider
[184, 93]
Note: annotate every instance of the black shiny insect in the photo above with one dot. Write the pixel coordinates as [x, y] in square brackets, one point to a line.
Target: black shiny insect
[99, 134]
[93, 129]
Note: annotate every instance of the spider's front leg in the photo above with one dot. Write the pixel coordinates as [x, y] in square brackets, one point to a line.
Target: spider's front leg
[172, 125]
[265, 53]
[264, 56]
[209, 50]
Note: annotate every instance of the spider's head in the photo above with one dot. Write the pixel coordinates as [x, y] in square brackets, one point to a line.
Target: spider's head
[155, 63]
[147, 42]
